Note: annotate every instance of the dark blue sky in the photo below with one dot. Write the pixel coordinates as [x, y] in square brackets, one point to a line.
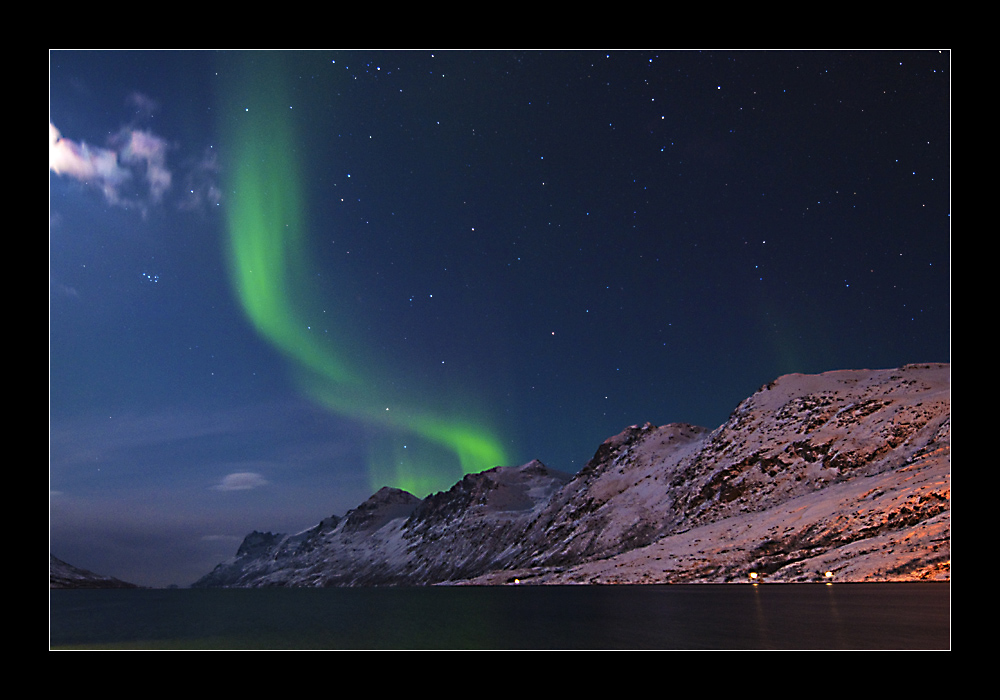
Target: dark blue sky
[553, 245]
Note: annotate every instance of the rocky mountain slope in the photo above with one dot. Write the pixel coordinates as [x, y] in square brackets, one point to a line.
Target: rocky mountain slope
[845, 472]
[63, 575]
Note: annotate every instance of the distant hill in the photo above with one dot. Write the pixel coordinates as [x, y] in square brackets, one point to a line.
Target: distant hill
[844, 475]
[63, 575]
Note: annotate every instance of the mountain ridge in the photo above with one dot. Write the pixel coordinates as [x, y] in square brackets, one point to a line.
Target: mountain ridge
[63, 575]
[849, 470]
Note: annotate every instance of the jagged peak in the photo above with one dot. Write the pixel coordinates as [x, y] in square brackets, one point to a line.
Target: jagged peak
[386, 504]
[534, 467]
[390, 494]
[615, 444]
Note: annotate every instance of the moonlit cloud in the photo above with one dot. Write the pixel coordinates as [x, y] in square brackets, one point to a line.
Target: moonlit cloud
[134, 157]
[147, 152]
[240, 481]
[97, 167]
[132, 171]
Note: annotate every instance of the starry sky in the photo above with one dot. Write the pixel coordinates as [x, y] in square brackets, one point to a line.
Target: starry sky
[281, 280]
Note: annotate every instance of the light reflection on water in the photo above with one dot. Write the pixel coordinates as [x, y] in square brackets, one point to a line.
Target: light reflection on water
[734, 616]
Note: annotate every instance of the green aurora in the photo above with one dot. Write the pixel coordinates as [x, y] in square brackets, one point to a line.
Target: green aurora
[268, 252]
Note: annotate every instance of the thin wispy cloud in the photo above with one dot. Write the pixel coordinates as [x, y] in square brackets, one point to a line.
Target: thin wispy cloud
[143, 105]
[199, 183]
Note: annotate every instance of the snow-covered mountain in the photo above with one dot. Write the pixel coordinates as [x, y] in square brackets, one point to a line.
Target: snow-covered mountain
[63, 575]
[846, 472]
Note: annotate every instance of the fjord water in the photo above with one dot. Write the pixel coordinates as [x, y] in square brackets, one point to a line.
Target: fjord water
[776, 616]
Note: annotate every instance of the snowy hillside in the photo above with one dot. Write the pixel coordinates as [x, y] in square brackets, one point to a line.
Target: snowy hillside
[394, 538]
[63, 575]
[845, 472]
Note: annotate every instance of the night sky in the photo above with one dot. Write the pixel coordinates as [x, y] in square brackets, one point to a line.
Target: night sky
[280, 281]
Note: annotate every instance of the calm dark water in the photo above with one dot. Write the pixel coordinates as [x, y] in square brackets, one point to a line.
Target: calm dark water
[776, 616]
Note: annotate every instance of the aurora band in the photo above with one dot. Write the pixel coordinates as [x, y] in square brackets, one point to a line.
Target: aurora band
[267, 251]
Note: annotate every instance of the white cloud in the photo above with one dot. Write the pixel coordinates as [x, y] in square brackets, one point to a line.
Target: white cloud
[240, 481]
[132, 171]
[144, 150]
[95, 166]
